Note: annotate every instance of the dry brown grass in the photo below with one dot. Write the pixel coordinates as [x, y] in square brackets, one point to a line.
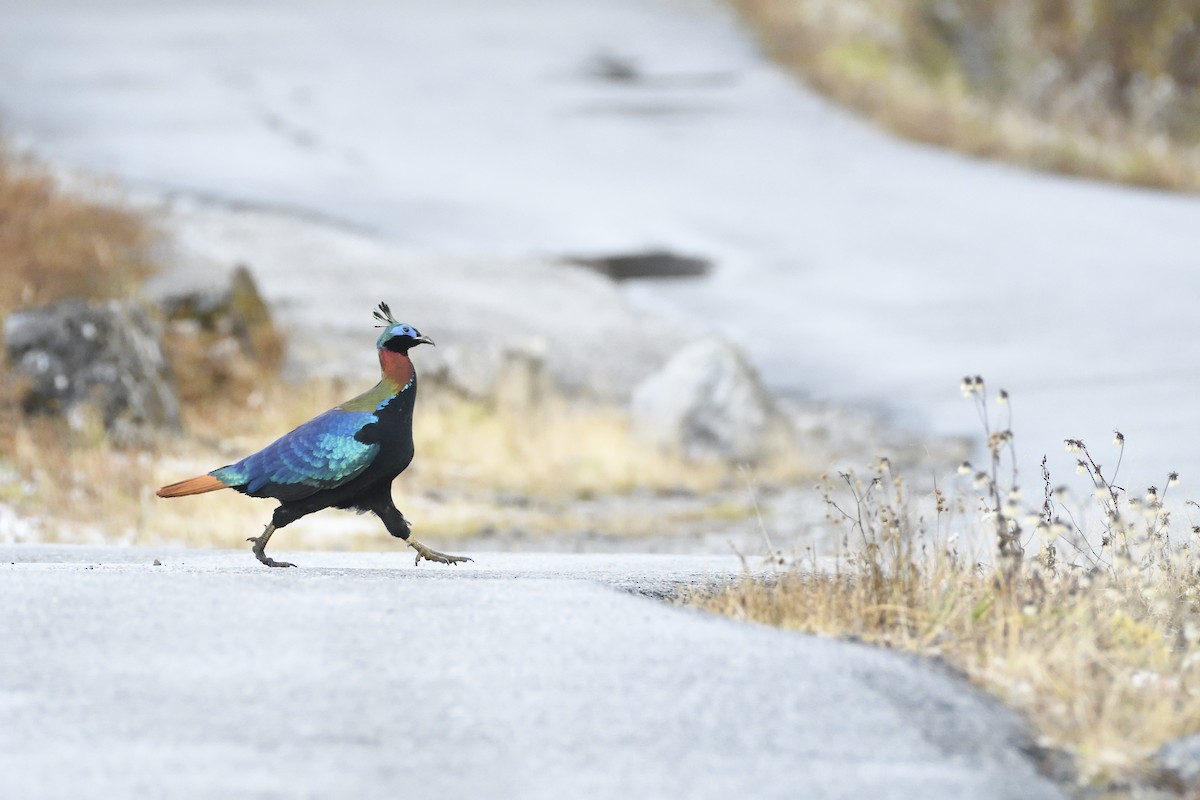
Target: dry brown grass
[54, 245]
[478, 471]
[888, 61]
[1104, 668]
[1096, 639]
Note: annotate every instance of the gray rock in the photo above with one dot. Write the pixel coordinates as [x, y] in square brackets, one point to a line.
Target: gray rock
[706, 402]
[509, 374]
[1180, 760]
[100, 357]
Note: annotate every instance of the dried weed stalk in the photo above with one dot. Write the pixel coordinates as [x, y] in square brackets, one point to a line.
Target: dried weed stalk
[1094, 633]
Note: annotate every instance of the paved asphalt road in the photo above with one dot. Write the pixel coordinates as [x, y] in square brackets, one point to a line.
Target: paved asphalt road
[358, 675]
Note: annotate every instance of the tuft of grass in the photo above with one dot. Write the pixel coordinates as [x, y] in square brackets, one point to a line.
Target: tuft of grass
[1093, 635]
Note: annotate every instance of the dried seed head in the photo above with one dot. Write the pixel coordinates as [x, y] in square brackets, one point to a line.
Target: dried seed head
[1061, 493]
[982, 480]
[971, 385]
[1074, 445]
[1152, 494]
[1172, 480]
[1081, 467]
[1014, 495]
[1002, 398]
[965, 468]
[1118, 439]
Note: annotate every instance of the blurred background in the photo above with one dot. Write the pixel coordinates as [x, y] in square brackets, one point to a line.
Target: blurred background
[679, 257]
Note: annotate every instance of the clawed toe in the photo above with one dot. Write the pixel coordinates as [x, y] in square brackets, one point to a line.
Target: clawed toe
[260, 549]
[433, 555]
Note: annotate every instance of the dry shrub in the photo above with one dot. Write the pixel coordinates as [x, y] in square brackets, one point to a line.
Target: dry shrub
[1083, 87]
[1095, 637]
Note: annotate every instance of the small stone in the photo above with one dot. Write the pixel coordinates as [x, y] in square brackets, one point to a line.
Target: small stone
[706, 402]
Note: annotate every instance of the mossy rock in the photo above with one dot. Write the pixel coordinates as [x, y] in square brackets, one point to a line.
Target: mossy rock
[221, 340]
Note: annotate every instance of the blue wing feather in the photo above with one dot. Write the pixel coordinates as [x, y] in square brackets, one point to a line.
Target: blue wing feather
[320, 454]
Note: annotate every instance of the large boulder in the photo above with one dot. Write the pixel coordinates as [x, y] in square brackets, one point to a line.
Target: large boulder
[99, 357]
[707, 402]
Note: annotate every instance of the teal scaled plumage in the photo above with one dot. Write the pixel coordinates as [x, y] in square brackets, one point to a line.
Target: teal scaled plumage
[345, 458]
[320, 454]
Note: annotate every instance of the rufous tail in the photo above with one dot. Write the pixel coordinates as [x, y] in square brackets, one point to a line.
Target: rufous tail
[197, 485]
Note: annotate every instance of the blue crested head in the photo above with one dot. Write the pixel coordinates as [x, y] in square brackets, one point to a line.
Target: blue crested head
[397, 336]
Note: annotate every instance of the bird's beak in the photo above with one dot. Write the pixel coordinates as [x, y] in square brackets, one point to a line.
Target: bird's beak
[424, 340]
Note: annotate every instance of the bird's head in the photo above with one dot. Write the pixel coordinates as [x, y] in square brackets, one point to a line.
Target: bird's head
[397, 336]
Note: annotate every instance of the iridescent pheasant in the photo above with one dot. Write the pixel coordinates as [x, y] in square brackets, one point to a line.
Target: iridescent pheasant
[345, 458]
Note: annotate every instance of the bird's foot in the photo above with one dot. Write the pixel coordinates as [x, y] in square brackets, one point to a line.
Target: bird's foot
[260, 548]
[433, 555]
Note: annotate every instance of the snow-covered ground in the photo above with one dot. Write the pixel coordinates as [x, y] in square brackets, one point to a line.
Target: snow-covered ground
[853, 267]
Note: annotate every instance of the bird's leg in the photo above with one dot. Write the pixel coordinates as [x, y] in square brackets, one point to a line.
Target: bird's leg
[260, 547]
[398, 526]
[433, 555]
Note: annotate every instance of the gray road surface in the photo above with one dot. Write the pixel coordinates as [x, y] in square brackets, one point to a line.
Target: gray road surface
[519, 676]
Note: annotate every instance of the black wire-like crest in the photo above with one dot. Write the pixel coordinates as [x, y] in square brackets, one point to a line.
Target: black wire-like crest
[384, 315]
